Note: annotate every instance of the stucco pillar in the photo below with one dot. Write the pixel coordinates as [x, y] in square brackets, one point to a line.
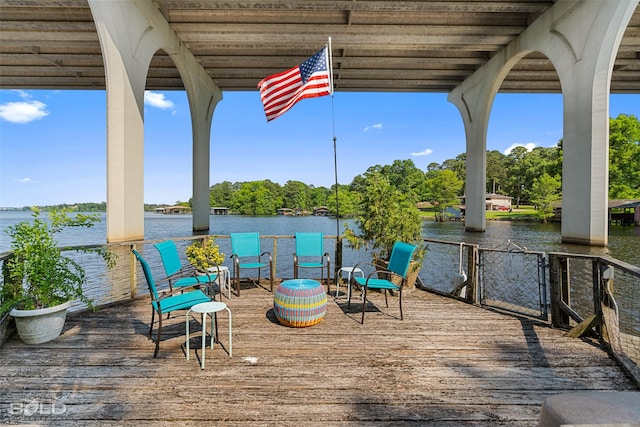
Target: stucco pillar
[474, 106]
[130, 33]
[121, 31]
[203, 97]
[592, 32]
[580, 38]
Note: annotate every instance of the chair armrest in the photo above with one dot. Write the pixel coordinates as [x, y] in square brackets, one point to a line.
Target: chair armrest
[167, 294]
[267, 253]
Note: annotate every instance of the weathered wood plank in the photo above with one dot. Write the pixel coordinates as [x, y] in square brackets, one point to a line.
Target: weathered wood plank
[447, 363]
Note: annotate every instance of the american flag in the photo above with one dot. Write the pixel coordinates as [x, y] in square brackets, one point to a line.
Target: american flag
[279, 92]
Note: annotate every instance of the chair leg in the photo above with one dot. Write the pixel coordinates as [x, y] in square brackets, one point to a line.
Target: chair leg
[386, 301]
[153, 315]
[155, 354]
[364, 302]
[400, 301]
[236, 279]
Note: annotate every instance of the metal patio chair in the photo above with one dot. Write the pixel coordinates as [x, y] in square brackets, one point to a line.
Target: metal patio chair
[246, 254]
[167, 302]
[399, 261]
[178, 275]
[310, 254]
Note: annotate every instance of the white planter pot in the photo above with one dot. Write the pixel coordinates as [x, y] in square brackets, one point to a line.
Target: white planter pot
[41, 325]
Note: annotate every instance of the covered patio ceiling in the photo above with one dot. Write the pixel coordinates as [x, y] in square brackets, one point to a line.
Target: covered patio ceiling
[378, 45]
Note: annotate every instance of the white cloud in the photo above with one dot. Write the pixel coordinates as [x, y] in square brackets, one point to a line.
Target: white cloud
[425, 152]
[25, 181]
[157, 100]
[530, 146]
[377, 126]
[23, 112]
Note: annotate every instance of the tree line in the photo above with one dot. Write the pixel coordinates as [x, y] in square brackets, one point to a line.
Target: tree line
[530, 177]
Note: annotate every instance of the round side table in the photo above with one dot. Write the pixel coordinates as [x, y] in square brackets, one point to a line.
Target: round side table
[209, 308]
[350, 272]
[300, 302]
[224, 279]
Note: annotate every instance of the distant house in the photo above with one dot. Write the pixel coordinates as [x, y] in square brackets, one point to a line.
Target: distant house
[494, 202]
[321, 211]
[627, 212]
[285, 211]
[218, 210]
[174, 210]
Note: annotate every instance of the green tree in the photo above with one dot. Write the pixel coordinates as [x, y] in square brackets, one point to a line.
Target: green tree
[254, 198]
[545, 192]
[624, 157]
[458, 165]
[385, 215]
[221, 194]
[496, 171]
[517, 173]
[402, 175]
[347, 200]
[319, 196]
[442, 189]
[295, 194]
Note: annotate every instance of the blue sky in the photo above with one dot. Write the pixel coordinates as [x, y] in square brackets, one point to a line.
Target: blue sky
[53, 143]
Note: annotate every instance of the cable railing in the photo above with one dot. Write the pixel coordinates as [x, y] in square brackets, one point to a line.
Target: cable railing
[587, 295]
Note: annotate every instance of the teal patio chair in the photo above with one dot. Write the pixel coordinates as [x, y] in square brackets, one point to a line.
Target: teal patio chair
[399, 261]
[167, 302]
[177, 274]
[310, 254]
[245, 253]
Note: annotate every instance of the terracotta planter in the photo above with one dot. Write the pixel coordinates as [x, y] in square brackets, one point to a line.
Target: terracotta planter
[40, 325]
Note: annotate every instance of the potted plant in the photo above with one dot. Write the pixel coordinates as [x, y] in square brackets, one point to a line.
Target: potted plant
[39, 281]
[386, 215]
[204, 256]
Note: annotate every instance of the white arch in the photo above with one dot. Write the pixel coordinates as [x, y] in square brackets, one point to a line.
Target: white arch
[580, 38]
[130, 34]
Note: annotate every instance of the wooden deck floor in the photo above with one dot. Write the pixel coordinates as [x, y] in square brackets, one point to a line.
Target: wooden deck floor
[447, 363]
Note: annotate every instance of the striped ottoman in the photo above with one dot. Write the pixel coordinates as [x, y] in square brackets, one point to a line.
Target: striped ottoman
[300, 302]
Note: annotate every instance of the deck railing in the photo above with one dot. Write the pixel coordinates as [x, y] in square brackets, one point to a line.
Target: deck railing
[586, 295]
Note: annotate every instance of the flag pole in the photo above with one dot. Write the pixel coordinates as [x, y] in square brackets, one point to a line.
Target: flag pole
[335, 156]
[338, 253]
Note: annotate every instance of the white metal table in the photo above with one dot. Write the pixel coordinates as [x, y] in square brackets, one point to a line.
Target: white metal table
[223, 279]
[350, 272]
[209, 308]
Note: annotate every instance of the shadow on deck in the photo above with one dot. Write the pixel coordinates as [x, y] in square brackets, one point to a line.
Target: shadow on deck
[447, 363]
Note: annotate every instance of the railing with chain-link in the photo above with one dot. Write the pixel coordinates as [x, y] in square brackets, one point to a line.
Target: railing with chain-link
[587, 295]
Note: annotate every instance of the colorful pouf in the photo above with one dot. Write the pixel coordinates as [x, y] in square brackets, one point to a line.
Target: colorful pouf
[300, 302]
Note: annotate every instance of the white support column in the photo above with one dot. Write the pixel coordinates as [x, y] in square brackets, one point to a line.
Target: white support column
[203, 97]
[593, 32]
[201, 124]
[580, 38]
[130, 33]
[126, 59]
[474, 106]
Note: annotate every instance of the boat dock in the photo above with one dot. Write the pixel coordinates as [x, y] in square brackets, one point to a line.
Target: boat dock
[447, 363]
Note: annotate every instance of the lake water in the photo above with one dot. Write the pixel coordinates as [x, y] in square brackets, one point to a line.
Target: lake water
[624, 242]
